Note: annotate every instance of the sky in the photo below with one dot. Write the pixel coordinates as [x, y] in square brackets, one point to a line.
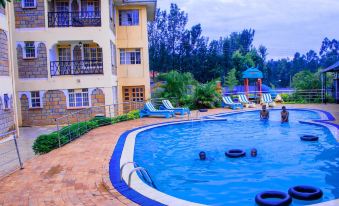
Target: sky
[283, 26]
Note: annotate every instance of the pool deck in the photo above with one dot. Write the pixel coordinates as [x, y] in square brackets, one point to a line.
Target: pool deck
[77, 174]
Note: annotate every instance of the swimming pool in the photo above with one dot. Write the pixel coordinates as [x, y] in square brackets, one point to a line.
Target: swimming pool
[170, 154]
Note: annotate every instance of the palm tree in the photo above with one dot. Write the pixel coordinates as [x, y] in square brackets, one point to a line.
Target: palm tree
[3, 3]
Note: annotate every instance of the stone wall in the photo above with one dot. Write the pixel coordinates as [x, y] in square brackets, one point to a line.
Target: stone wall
[33, 68]
[30, 17]
[6, 116]
[54, 106]
[4, 69]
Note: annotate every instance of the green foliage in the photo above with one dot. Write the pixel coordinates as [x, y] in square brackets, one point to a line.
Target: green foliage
[231, 79]
[176, 85]
[174, 46]
[206, 96]
[306, 80]
[3, 3]
[48, 142]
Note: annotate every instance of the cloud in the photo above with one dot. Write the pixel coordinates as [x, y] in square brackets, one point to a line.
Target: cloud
[283, 26]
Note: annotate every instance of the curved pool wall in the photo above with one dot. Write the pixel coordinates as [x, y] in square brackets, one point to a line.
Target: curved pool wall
[142, 193]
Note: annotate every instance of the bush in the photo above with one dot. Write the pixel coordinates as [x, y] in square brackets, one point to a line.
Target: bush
[101, 121]
[48, 142]
[206, 96]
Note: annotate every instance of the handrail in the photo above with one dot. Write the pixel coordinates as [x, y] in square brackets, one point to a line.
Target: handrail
[141, 169]
[126, 163]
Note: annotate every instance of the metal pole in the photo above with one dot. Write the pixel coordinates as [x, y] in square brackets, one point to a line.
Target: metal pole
[17, 151]
[57, 124]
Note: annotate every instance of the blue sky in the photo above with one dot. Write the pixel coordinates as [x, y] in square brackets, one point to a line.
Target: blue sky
[283, 26]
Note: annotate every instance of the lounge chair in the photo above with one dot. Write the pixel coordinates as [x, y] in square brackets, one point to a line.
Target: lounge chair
[149, 110]
[167, 105]
[243, 100]
[267, 99]
[228, 102]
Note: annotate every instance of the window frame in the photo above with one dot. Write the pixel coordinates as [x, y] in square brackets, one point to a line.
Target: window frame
[78, 94]
[23, 4]
[38, 99]
[135, 19]
[7, 102]
[32, 47]
[130, 56]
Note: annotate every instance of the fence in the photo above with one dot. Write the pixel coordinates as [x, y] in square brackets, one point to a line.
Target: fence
[293, 96]
[73, 125]
[9, 153]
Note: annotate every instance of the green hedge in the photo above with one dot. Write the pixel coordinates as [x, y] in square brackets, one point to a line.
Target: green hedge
[48, 142]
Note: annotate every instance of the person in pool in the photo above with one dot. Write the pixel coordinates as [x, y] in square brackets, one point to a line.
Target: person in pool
[202, 155]
[254, 152]
[284, 114]
[264, 113]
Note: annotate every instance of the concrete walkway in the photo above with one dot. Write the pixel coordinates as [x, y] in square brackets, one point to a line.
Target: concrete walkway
[27, 135]
[77, 173]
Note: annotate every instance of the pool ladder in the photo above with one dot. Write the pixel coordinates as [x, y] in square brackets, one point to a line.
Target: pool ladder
[142, 171]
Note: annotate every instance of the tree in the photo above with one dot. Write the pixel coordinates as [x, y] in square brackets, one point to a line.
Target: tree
[306, 80]
[231, 79]
[3, 3]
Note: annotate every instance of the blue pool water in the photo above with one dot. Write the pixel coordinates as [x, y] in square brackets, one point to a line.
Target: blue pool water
[170, 154]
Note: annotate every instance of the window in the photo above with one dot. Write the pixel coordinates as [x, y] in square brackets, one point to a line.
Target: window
[130, 56]
[78, 98]
[6, 101]
[28, 3]
[92, 7]
[29, 50]
[128, 17]
[113, 57]
[35, 99]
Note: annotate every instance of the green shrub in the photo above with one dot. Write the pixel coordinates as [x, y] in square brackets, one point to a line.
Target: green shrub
[101, 121]
[206, 96]
[48, 142]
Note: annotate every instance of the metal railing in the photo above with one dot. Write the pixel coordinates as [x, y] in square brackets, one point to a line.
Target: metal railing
[78, 67]
[291, 96]
[71, 126]
[10, 159]
[74, 19]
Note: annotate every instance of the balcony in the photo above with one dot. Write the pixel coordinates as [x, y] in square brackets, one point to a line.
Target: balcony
[79, 67]
[74, 19]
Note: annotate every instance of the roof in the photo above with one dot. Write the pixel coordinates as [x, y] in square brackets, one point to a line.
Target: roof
[151, 6]
[333, 68]
[252, 73]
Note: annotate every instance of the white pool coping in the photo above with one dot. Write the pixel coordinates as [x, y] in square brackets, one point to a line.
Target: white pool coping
[138, 185]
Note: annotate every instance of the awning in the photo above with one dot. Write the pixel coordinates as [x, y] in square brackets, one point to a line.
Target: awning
[333, 68]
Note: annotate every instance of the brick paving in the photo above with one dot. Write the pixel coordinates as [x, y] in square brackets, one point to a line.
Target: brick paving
[77, 173]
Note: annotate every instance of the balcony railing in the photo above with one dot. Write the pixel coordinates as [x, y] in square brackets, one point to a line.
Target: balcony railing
[80, 67]
[74, 19]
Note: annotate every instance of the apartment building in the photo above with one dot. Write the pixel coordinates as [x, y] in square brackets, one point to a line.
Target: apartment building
[7, 90]
[73, 54]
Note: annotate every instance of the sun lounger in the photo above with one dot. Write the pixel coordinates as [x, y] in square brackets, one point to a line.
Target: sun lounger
[149, 110]
[167, 105]
[228, 102]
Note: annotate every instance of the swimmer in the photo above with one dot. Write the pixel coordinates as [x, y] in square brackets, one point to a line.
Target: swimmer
[264, 113]
[254, 152]
[284, 114]
[202, 155]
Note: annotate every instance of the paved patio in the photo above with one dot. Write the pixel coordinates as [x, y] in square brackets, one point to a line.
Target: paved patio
[77, 174]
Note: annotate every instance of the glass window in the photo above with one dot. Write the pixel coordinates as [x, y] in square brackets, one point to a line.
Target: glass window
[78, 98]
[29, 49]
[28, 3]
[130, 56]
[35, 99]
[128, 17]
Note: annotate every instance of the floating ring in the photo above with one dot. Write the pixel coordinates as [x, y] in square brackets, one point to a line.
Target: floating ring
[233, 153]
[263, 198]
[302, 192]
[309, 138]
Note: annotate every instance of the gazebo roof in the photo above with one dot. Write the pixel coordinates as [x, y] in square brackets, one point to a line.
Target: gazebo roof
[333, 68]
[252, 73]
